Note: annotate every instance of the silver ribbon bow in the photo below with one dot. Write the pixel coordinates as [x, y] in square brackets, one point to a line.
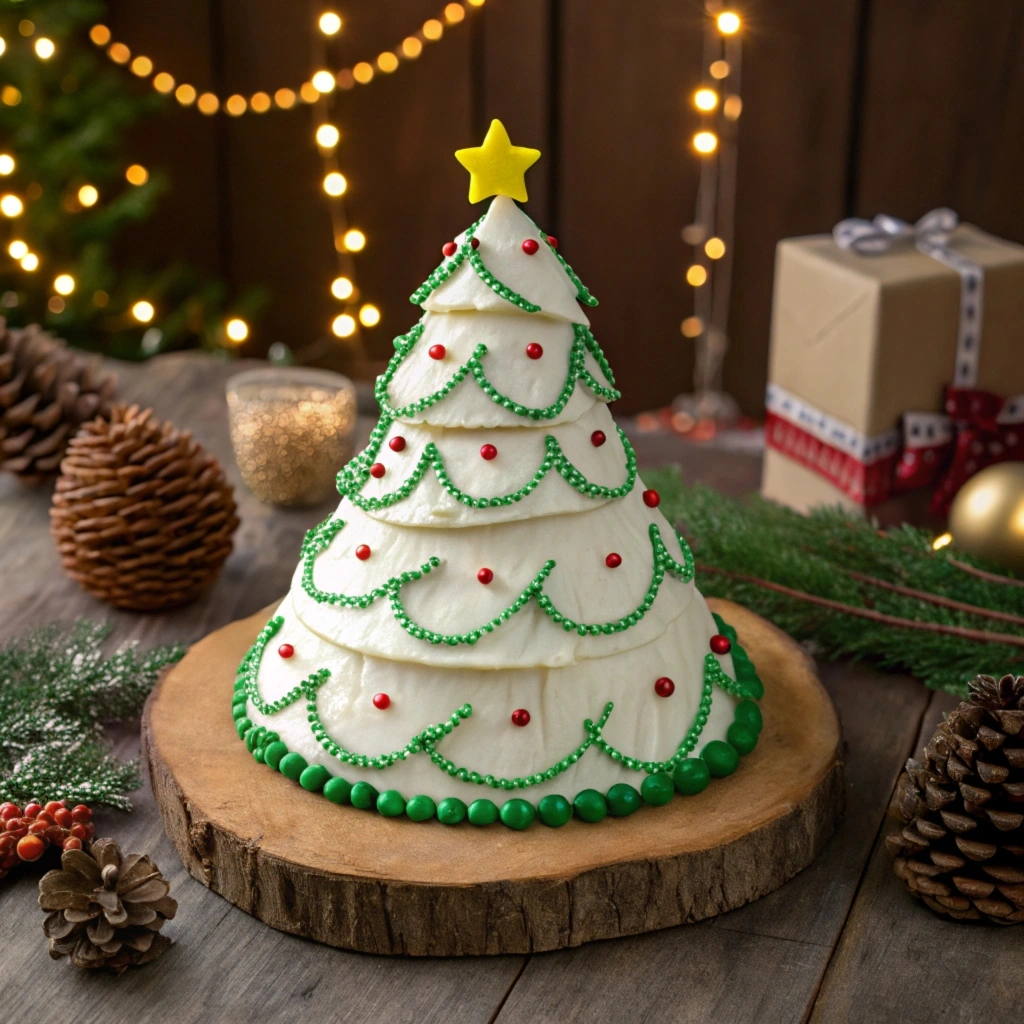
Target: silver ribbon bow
[872, 237]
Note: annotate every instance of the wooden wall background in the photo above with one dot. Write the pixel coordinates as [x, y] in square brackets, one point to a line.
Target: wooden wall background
[851, 107]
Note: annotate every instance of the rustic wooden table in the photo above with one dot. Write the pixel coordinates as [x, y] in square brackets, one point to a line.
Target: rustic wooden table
[840, 943]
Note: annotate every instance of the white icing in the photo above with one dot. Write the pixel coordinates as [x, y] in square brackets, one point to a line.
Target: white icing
[538, 278]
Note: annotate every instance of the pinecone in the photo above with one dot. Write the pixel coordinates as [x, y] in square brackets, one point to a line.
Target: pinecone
[142, 515]
[106, 911]
[962, 850]
[46, 392]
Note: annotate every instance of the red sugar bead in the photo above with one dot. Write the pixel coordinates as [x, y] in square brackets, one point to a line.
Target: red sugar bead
[720, 644]
[449, 248]
[652, 499]
[363, 552]
[80, 830]
[397, 444]
[534, 350]
[437, 351]
[31, 848]
[614, 560]
[9, 810]
[377, 470]
[72, 843]
[286, 650]
[552, 241]
[664, 687]
[530, 246]
[53, 805]
[597, 438]
[488, 452]
[63, 818]
[80, 812]
[381, 701]
[475, 243]
[520, 717]
[32, 809]
[485, 576]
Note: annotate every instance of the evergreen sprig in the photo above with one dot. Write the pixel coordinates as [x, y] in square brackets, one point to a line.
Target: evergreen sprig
[835, 579]
[57, 689]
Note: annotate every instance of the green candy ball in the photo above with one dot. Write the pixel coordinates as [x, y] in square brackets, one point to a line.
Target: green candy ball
[451, 811]
[292, 765]
[657, 790]
[742, 737]
[483, 812]
[363, 796]
[242, 725]
[419, 808]
[338, 790]
[590, 805]
[517, 813]
[623, 799]
[238, 710]
[749, 714]
[554, 810]
[391, 803]
[721, 758]
[258, 753]
[314, 778]
[691, 776]
[273, 754]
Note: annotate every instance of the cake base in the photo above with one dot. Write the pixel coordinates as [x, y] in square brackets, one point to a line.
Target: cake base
[362, 881]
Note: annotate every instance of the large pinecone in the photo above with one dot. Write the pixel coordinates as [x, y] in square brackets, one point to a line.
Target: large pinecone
[106, 910]
[962, 850]
[46, 392]
[142, 514]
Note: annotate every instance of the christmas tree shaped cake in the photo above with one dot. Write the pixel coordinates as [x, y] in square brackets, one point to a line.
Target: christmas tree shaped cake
[497, 623]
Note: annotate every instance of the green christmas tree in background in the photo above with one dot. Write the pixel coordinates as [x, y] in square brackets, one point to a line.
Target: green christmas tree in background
[69, 188]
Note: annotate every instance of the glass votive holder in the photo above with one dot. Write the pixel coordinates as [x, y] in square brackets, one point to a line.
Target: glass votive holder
[292, 430]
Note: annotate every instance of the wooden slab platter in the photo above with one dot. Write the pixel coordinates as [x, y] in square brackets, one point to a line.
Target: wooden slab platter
[361, 881]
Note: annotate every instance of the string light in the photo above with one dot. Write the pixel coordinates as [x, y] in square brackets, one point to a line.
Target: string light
[100, 35]
[335, 184]
[208, 103]
[387, 62]
[363, 72]
[185, 95]
[45, 48]
[260, 102]
[354, 240]
[705, 142]
[163, 82]
[344, 326]
[369, 315]
[719, 69]
[236, 105]
[119, 53]
[64, 284]
[285, 98]
[732, 108]
[143, 311]
[728, 23]
[942, 541]
[30, 262]
[411, 47]
[10, 95]
[237, 330]
[3, 45]
[142, 66]
[55, 304]
[691, 327]
[705, 99]
[715, 248]
[26, 27]
[88, 195]
[330, 23]
[323, 82]
[328, 136]
[308, 92]
[454, 13]
[6, 164]
[341, 287]
[432, 30]
[11, 205]
[696, 275]
[17, 249]
[100, 298]
[137, 175]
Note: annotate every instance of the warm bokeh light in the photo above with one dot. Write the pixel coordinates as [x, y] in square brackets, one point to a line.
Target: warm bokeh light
[719, 69]
[285, 98]
[330, 23]
[692, 327]
[728, 23]
[119, 53]
[143, 311]
[30, 261]
[142, 66]
[705, 142]
[454, 13]
[3, 44]
[17, 248]
[137, 175]
[88, 195]
[387, 62]
[55, 304]
[369, 315]
[433, 30]
[715, 248]
[11, 205]
[328, 136]
[237, 330]
[732, 108]
[363, 72]
[345, 79]
[236, 105]
[260, 102]
[26, 27]
[45, 48]
[323, 81]
[6, 163]
[185, 95]
[335, 184]
[341, 288]
[943, 540]
[412, 47]
[100, 298]
[309, 92]
[705, 99]
[64, 284]
[163, 82]
[476, 3]
[696, 275]
[344, 326]
[354, 240]
[208, 103]
[100, 35]
[10, 95]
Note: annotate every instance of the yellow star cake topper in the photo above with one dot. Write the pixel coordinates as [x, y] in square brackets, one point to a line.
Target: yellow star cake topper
[497, 168]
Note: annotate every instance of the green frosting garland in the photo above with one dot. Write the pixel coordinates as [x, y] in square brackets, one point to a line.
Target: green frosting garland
[680, 773]
[583, 342]
[319, 539]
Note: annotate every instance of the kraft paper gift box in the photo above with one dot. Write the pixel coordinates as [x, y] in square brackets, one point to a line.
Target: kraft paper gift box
[864, 344]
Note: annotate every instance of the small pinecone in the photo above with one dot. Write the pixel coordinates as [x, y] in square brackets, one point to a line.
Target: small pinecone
[46, 392]
[142, 515]
[105, 910]
[962, 850]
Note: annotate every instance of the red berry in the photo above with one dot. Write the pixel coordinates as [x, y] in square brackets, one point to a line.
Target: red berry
[9, 810]
[32, 809]
[363, 552]
[488, 452]
[449, 248]
[552, 241]
[614, 560]
[437, 351]
[397, 444]
[664, 687]
[80, 831]
[534, 351]
[520, 717]
[597, 438]
[72, 843]
[90, 829]
[285, 650]
[530, 246]
[31, 848]
[7, 843]
[652, 499]
[475, 243]
[485, 576]
[381, 701]
[81, 812]
[720, 644]
[63, 818]
[39, 825]
[377, 470]
[53, 805]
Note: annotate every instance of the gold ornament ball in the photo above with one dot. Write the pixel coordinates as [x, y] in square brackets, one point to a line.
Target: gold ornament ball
[987, 515]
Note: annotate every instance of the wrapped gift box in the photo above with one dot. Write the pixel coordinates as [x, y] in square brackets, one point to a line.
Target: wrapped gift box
[866, 344]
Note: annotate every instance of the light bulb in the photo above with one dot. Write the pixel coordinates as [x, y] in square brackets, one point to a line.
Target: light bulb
[327, 135]
[369, 315]
[335, 184]
[26, 27]
[137, 175]
[454, 13]
[363, 72]
[55, 304]
[6, 163]
[11, 205]
[259, 102]
[235, 105]
[142, 66]
[387, 62]
[119, 53]
[705, 142]
[691, 327]
[728, 23]
[344, 326]
[45, 48]
[323, 81]
[943, 540]
[715, 248]
[330, 23]
[354, 240]
[732, 108]
[696, 275]
[185, 95]
[163, 82]
[143, 311]
[412, 47]
[341, 287]
[11, 95]
[285, 98]
[208, 103]
[64, 284]
[237, 330]
[433, 30]
[88, 195]
[719, 69]
[705, 99]
[3, 44]
[100, 35]
[30, 261]
[476, 3]
[309, 92]
[17, 249]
